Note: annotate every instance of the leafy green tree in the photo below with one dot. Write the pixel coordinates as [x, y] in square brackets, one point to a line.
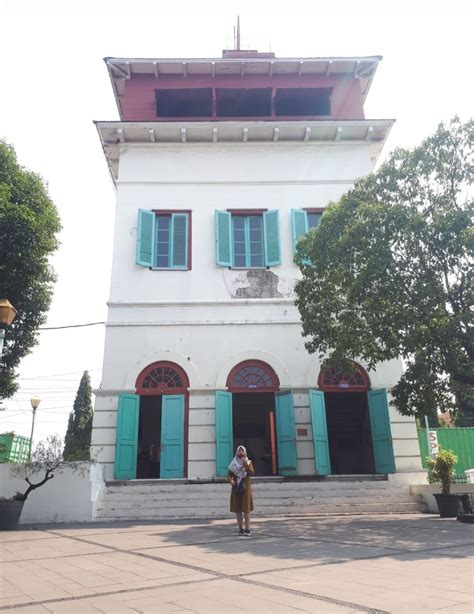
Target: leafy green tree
[29, 224]
[393, 274]
[78, 435]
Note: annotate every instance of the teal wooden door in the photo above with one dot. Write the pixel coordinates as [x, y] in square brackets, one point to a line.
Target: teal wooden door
[286, 437]
[126, 442]
[224, 432]
[381, 433]
[172, 436]
[320, 432]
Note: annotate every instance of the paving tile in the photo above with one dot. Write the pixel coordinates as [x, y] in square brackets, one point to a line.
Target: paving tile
[35, 609]
[310, 564]
[79, 607]
[22, 536]
[460, 608]
[165, 608]
[104, 604]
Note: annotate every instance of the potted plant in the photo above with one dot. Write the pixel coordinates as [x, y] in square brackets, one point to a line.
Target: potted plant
[46, 460]
[441, 470]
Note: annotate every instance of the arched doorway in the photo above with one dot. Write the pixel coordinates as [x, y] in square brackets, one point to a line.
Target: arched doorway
[347, 415]
[253, 384]
[162, 427]
[152, 425]
[253, 412]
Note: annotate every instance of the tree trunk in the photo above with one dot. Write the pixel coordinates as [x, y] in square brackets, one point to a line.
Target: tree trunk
[31, 487]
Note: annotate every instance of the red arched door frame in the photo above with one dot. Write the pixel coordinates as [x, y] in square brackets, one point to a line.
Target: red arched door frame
[336, 379]
[252, 376]
[164, 377]
[256, 376]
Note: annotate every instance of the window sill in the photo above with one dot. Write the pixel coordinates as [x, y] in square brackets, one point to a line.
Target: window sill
[248, 268]
[153, 268]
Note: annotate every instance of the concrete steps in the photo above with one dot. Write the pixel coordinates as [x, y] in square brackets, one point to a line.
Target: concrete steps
[150, 500]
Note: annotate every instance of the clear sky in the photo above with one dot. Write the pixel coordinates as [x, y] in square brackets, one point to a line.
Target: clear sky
[54, 83]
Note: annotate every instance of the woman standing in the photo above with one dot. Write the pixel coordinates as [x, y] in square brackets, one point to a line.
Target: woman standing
[241, 502]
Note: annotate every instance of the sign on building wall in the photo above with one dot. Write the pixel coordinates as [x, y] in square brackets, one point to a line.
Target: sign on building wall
[433, 447]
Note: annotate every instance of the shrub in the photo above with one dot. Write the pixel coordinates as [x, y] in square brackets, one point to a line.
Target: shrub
[441, 469]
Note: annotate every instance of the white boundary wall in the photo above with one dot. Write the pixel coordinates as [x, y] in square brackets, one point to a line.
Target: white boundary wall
[71, 496]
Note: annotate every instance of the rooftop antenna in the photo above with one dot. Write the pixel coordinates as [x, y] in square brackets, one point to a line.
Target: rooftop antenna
[238, 34]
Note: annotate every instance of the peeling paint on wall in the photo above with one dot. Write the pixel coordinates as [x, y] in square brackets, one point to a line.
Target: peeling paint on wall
[258, 283]
[286, 286]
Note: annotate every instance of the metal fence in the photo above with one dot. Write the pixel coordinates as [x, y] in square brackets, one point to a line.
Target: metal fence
[460, 440]
[14, 448]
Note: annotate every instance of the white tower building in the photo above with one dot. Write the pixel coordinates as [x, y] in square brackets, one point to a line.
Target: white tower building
[220, 165]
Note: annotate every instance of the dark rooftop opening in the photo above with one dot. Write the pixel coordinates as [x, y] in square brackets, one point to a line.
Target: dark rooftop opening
[184, 102]
[244, 102]
[303, 101]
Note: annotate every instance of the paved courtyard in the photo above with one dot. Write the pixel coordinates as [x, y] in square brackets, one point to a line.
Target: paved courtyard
[415, 563]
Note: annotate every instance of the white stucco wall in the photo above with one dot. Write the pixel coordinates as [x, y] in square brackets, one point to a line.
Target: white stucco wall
[204, 178]
[192, 317]
[70, 496]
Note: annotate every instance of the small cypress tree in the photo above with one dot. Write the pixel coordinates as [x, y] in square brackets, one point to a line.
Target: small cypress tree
[69, 438]
[78, 435]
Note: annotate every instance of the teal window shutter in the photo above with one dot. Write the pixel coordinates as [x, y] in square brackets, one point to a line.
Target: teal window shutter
[126, 445]
[172, 436]
[299, 225]
[286, 437]
[224, 432]
[179, 241]
[223, 239]
[145, 255]
[381, 432]
[320, 432]
[271, 232]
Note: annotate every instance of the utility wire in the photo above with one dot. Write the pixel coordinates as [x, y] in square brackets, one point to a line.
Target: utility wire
[61, 410]
[70, 326]
[58, 374]
[53, 379]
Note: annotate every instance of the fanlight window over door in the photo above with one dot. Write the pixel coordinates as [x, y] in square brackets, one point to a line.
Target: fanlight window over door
[162, 377]
[339, 379]
[253, 376]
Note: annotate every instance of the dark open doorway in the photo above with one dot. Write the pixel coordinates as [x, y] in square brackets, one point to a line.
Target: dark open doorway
[254, 426]
[350, 437]
[149, 437]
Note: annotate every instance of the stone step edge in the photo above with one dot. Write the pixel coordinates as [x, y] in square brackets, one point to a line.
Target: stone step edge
[262, 500]
[330, 479]
[267, 493]
[309, 508]
[295, 514]
[259, 487]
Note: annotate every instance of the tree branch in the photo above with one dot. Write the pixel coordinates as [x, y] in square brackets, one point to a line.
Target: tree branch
[48, 476]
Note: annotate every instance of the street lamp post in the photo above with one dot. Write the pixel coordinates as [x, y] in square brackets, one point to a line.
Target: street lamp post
[35, 401]
[7, 315]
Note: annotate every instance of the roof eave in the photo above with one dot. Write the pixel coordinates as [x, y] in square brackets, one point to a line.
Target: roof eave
[117, 134]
